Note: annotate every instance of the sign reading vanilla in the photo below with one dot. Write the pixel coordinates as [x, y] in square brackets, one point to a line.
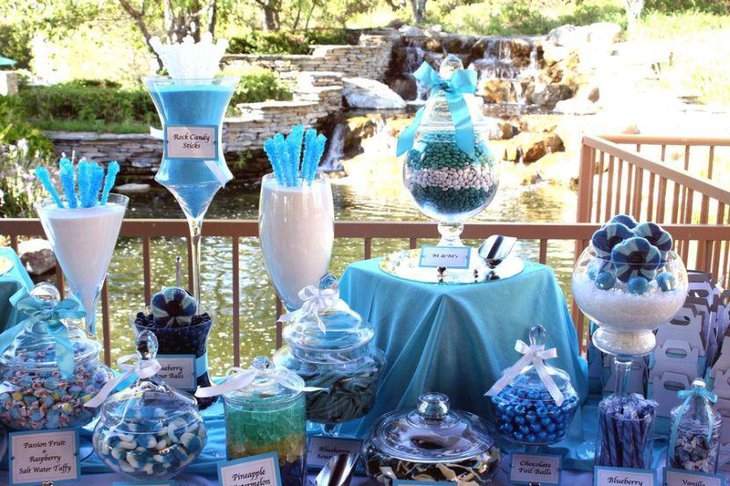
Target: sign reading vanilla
[36, 457]
[190, 142]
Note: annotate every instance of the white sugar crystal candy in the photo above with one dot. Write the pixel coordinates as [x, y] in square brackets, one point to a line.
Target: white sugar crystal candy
[190, 60]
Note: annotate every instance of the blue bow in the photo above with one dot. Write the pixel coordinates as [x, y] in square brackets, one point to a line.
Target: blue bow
[461, 82]
[687, 395]
[45, 316]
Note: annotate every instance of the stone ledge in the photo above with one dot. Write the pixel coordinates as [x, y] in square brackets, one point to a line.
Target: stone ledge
[95, 136]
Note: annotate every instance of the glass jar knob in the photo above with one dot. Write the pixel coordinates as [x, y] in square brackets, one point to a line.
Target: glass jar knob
[538, 336]
[147, 345]
[449, 66]
[699, 384]
[46, 291]
[261, 363]
[433, 406]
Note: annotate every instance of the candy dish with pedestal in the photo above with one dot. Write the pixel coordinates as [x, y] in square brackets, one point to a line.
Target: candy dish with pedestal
[431, 443]
[49, 366]
[694, 440]
[265, 412]
[628, 281]
[192, 103]
[533, 402]
[148, 431]
[331, 348]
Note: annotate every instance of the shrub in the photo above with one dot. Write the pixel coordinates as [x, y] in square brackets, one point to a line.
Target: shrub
[719, 7]
[256, 85]
[257, 42]
[15, 44]
[327, 36]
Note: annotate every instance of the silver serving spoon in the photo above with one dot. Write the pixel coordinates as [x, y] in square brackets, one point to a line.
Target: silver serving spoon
[337, 471]
[495, 249]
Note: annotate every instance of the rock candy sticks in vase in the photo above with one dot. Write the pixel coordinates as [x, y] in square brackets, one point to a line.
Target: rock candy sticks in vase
[81, 184]
[285, 155]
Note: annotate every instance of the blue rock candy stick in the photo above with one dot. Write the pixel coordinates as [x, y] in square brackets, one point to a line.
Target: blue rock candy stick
[97, 178]
[67, 175]
[295, 149]
[111, 176]
[42, 175]
[310, 142]
[84, 179]
[280, 148]
[270, 149]
[321, 142]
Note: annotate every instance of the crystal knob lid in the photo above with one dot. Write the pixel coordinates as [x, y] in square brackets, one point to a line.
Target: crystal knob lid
[262, 363]
[46, 291]
[433, 406]
[450, 65]
[699, 384]
[538, 336]
[147, 345]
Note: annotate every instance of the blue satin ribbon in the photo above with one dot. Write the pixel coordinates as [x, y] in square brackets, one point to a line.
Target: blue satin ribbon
[201, 365]
[687, 396]
[461, 82]
[45, 316]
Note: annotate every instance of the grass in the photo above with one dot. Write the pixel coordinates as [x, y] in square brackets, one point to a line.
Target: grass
[91, 126]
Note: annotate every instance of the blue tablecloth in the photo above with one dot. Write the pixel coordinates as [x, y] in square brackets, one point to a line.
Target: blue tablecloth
[11, 282]
[456, 339]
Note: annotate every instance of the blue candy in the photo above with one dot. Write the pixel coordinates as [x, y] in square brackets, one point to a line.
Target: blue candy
[605, 280]
[624, 219]
[635, 257]
[173, 306]
[655, 235]
[638, 285]
[666, 281]
[610, 235]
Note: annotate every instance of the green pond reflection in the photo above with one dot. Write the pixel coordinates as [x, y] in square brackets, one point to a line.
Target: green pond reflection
[367, 199]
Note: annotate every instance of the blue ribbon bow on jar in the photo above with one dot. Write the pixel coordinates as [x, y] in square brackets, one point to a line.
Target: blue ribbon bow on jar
[463, 81]
[699, 391]
[44, 316]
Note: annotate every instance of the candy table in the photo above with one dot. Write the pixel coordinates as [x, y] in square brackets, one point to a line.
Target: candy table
[10, 282]
[456, 339]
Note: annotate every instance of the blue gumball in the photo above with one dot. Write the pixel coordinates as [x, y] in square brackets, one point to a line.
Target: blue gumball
[666, 281]
[605, 280]
[638, 285]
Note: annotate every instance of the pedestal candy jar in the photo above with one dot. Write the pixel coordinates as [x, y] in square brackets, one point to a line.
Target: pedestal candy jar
[265, 412]
[49, 366]
[330, 347]
[148, 431]
[431, 443]
[534, 403]
[449, 168]
[181, 330]
[694, 441]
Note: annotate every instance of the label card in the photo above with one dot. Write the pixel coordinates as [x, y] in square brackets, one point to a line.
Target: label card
[178, 370]
[261, 470]
[618, 476]
[541, 469]
[190, 142]
[39, 456]
[403, 482]
[142, 482]
[679, 477]
[445, 256]
[322, 449]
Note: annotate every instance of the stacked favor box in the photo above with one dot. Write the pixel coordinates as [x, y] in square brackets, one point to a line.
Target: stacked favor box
[719, 377]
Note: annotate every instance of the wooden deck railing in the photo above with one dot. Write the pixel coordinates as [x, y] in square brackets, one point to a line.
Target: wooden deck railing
[148, 230]
[633, 174]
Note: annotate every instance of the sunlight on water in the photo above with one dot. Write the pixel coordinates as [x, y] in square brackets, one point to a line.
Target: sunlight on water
[365, 200]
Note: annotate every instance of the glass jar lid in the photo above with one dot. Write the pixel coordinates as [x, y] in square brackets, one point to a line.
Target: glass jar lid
[149, 397]
[432, 433]
[267, 383]
[326, 323]
[35, 344]
[437, 112]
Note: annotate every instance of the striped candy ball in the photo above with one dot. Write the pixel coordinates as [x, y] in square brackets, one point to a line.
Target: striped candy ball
[610, 235]
[635, 257]
[625, 220]
[655, 235]
[173, 306]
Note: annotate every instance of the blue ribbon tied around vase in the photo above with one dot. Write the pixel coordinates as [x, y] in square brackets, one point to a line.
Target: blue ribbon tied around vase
[461, 82]
[45, 316]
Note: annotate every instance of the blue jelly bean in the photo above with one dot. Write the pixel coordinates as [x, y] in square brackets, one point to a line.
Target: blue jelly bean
[638, 285]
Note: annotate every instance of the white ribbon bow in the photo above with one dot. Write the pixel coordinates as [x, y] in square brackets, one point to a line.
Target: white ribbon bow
[240, 378]
[315, 301]
[531, 354]
[143, 368]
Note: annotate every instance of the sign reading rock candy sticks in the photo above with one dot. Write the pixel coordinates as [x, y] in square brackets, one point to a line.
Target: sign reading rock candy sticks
[321, 449]
[40, 456]
[190, 142]
[261, 470]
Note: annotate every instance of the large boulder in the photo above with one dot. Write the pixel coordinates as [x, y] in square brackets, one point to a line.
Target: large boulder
[575, 106]
[552, 93]
[530, 147]
[37, 256]
[370, 94]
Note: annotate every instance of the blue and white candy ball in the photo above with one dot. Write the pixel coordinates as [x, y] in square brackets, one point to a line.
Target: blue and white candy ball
[634, 258]
[610, 235]
[173, 306]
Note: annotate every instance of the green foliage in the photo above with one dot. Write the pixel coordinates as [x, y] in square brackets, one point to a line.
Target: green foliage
[14, 127]
[15, 44]
[256, 86]
[327, 36]
[719, 7]
[259, 42]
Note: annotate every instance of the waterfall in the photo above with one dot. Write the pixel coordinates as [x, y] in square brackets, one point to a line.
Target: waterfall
[332, 160]
[414, 57]
[498, 64]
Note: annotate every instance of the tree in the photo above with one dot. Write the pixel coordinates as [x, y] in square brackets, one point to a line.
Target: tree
[419, 10]
[270, 10]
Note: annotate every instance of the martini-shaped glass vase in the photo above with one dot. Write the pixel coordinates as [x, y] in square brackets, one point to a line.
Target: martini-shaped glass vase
[83, 241]
[193, 168]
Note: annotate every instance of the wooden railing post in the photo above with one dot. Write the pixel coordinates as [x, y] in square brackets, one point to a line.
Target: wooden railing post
[585, 183]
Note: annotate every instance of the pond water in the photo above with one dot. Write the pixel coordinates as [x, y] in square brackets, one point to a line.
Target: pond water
[365, 198]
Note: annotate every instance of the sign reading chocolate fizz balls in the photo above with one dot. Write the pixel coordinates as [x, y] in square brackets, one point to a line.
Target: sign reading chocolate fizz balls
[37, 457]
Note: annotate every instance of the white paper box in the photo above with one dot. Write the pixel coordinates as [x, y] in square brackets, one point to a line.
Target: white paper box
[664, 391]
[677, 356]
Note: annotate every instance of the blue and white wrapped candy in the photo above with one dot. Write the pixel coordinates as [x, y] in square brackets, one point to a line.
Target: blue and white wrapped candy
[610, 235]
[635, 257]
[655, 235]
[173, 307]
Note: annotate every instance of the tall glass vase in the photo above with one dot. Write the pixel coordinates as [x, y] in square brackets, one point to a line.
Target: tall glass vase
[193, 168]
[83, 240]
[296, 228]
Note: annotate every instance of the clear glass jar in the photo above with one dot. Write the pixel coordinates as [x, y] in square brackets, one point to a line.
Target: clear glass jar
[266, 416]
[431, 443]
[696, 443]
[149, 431]
[448, 184]
[35, 393]
[525, 411]
[343, 360]
[625, 432]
